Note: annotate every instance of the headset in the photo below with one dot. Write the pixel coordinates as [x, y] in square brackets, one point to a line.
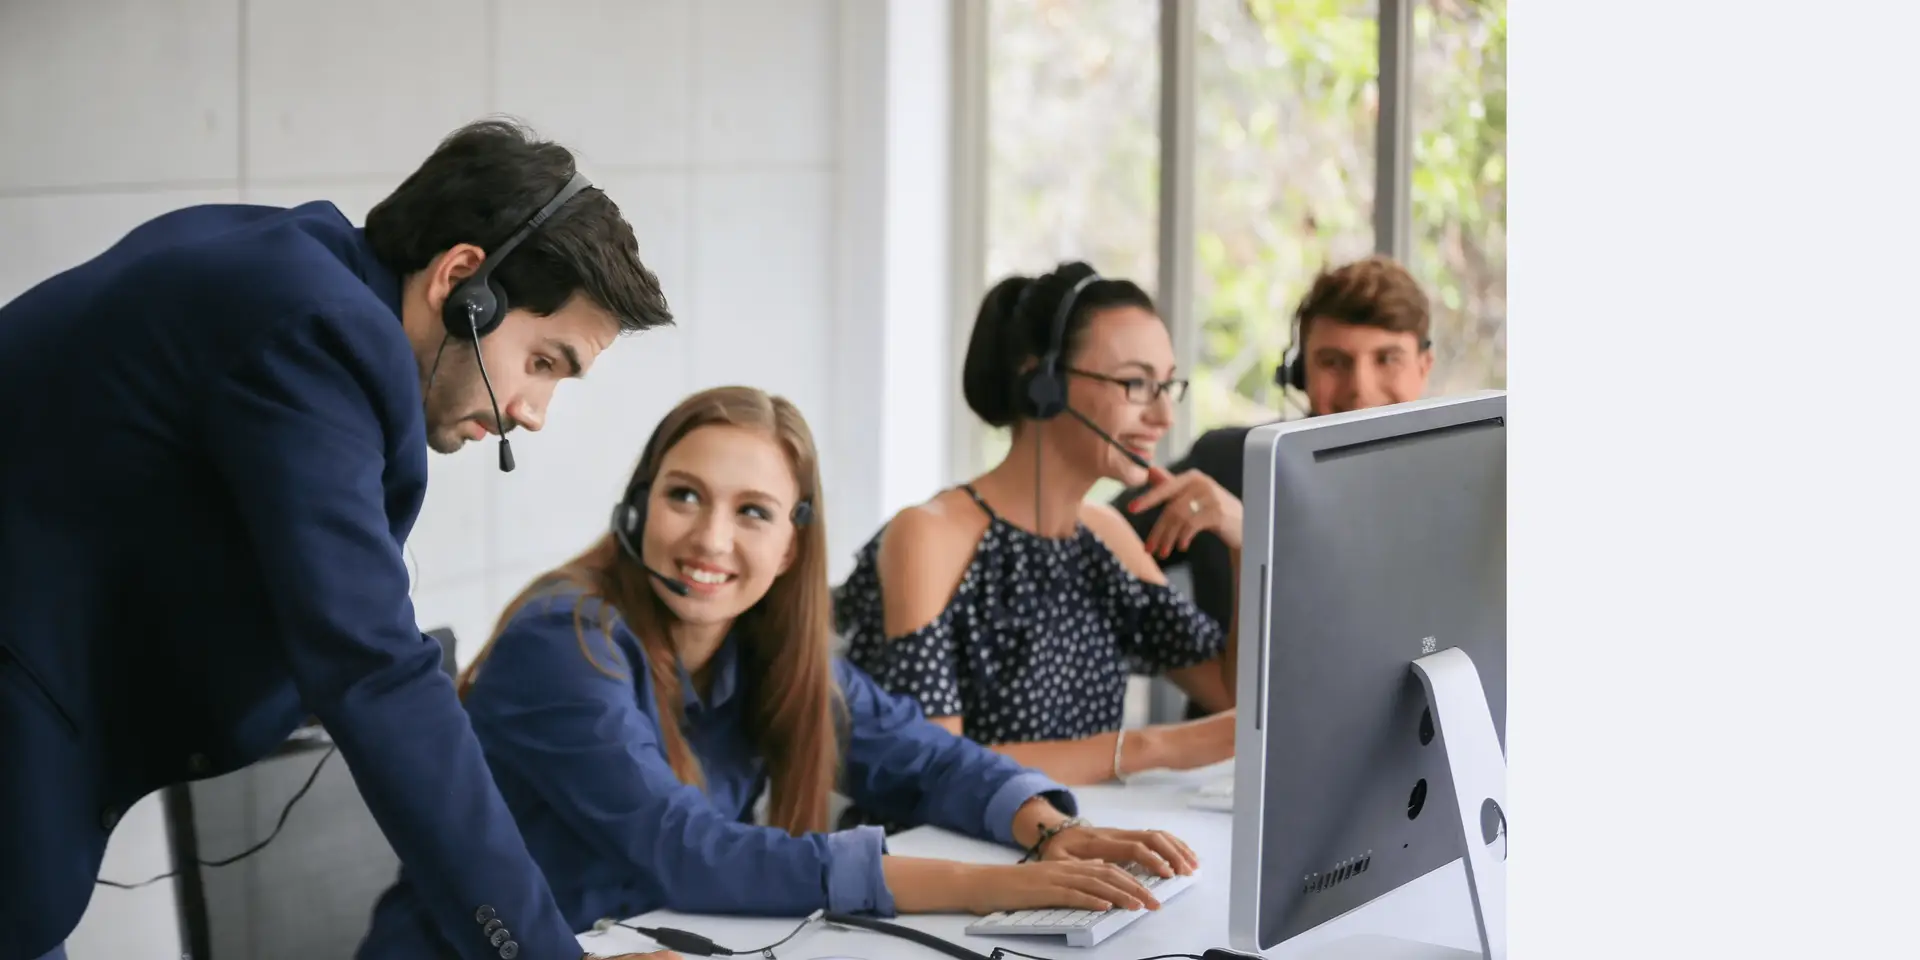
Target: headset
[478, 304]
[1043, 389]
[630, 515]
[1292, 371]
[1045, 386]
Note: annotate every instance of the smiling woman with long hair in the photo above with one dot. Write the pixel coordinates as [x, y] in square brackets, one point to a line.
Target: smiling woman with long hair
[637, 703]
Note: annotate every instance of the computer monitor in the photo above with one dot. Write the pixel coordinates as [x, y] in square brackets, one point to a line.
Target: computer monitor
[1372, 665]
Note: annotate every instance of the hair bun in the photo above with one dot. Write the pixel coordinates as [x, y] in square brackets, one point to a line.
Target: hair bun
[1015, 324]
[995, 350]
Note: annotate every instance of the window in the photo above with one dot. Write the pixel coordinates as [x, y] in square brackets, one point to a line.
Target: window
[1287, 102]
[1285, 110]
[1459, 198]
[1072, 144]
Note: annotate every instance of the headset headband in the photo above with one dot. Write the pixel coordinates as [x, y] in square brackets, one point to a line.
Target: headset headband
[574, 186]
[1059, 330]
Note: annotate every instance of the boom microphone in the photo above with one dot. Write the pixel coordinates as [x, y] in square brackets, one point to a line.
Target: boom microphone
[1137, 459]
[627, 546]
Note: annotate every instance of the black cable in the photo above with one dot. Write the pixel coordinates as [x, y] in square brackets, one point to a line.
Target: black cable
[692, 944]
[681, 941]
[1001, 952]
[435, 371]
[1039, 526]
[250, 851]
[924, 939]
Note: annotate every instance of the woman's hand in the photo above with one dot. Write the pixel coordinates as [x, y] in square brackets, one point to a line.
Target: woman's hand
[1158, 851]
[1059, 884]
[1194, 502]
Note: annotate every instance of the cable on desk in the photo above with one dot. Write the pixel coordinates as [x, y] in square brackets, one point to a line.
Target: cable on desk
[999, 953]
[250, 851]
[922, 938]
[680, 941]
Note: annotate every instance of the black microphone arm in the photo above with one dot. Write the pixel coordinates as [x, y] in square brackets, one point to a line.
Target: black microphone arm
[679, 589]
[628, 547]
[1138, 460]
[499, 422]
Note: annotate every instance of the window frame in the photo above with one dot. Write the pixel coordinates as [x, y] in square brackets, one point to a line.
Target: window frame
[1393, 187]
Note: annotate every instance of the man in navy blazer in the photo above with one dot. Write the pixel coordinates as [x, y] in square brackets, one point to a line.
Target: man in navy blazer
[217, 448]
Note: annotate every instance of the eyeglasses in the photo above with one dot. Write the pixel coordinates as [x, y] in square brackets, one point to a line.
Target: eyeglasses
[1140, 390]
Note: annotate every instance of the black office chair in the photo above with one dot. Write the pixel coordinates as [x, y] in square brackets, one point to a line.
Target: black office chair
[449, 662]
[309, 893]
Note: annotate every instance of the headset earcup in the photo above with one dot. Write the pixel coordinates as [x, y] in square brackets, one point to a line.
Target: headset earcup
[628, 521]
[500, 306]
[803, 513]
[1044, 394]
[1297, 372]
[641, 497]
[477, 300]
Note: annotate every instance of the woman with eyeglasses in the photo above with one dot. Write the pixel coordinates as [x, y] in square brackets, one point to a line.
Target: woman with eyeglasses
[1012, 608]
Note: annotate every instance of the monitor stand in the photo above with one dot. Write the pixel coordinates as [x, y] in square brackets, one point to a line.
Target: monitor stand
[1478, 767]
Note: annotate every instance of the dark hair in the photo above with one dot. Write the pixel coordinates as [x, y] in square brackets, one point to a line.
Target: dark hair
[1372, 292]
[1016, 318]
[486, 180]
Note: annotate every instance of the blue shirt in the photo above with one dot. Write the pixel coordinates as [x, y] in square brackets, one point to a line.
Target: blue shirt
[217, 449]
[571, 731]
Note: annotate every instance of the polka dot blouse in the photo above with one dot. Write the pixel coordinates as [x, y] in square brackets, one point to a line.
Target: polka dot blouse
[1038, 639]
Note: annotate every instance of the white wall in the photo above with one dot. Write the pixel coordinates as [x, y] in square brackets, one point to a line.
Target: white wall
[783, 163]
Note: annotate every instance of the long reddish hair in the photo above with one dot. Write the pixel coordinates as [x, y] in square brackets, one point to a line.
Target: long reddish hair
[794, 708]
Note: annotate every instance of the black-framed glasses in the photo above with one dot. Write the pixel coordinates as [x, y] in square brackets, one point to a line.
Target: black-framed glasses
[1140, 390]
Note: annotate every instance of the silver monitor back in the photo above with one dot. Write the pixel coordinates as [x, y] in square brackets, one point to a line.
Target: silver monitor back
[1373, 539]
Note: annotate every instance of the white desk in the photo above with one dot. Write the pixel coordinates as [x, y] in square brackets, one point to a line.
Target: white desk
[1431, 910]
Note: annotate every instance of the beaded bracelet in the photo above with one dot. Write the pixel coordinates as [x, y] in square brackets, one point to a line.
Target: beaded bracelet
[1048, 833]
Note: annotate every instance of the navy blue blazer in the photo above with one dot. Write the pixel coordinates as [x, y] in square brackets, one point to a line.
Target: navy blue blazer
[570, 720]
[215, 450]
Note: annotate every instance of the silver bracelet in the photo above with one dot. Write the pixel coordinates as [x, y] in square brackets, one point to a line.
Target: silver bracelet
[1118, 743]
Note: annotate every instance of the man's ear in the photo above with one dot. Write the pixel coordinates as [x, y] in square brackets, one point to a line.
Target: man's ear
[453, 265]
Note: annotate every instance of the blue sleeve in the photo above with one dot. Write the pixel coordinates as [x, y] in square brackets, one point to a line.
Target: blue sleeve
[571, 727]
[904, 767]
[299, 439]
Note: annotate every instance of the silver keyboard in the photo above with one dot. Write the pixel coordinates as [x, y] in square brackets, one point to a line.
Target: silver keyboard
[1082, 928]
